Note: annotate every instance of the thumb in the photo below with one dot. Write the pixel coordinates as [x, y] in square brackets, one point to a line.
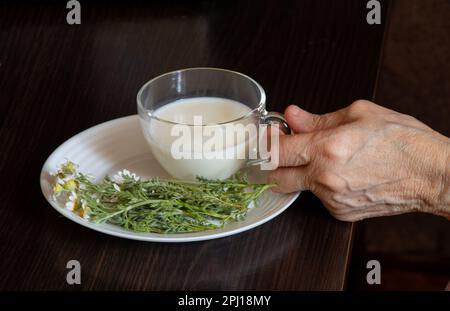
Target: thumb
[302, 121]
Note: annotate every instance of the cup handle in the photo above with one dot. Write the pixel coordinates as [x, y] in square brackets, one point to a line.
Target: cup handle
[273, 118]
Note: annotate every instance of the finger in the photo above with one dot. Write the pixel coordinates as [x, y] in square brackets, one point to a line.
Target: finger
[302, 121]
[294, 150]
[289, 179]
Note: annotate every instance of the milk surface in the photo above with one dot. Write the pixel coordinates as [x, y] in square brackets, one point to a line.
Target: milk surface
[212, 109]
[214, 112]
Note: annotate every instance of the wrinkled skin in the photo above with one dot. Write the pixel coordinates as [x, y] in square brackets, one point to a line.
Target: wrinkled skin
[365, 161]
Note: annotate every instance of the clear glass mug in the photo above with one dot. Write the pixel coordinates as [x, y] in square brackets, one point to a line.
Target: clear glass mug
[211, 83]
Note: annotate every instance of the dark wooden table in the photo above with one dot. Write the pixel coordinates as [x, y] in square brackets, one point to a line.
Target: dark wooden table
[57, 79]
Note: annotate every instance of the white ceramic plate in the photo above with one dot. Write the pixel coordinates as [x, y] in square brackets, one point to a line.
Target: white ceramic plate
[119, 144]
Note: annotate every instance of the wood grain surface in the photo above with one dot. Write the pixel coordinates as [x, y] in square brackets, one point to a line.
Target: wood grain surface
[58, 79]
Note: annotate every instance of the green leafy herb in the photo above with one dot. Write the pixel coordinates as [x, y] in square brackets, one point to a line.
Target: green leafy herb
[156, 205]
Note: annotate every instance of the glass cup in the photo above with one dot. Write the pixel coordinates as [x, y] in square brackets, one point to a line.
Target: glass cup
[214, 91]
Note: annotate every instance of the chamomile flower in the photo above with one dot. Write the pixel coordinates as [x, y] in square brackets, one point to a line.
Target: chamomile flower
[121, 176]
[70, 184]
[104, 201]
[57, 188]
[68, 168]
[72, 203]
[85, 210]
[118, 178]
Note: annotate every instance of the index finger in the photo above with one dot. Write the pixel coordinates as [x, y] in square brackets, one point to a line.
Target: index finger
[295, 150]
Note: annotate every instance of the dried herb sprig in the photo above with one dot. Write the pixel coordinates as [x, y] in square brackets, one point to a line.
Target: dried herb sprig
[156, 205]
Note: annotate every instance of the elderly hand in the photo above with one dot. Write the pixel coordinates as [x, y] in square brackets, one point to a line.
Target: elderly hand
[365, 161]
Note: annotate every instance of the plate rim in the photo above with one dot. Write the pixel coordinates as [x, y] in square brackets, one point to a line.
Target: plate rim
[147, 237]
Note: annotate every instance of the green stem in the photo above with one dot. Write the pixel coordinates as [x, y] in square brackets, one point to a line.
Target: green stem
[127, 209]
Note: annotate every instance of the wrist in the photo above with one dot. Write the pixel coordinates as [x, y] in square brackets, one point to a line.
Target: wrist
[439, 201]
[443, 204]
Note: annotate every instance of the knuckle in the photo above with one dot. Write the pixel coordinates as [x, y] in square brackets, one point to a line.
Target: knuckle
[339, 147]
[359, 106]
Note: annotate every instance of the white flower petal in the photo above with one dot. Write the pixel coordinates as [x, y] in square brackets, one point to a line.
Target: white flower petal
[70, 205]
[73, 196]
[118, 178]
[135, 177]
